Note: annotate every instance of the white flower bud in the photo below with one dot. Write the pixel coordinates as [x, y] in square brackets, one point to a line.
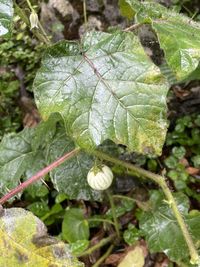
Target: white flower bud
[34, 20]
[100, 178]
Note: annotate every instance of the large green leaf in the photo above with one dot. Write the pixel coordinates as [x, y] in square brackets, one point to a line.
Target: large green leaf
[16, 155]
[70, 177]
[178, 35]
[104, 88]
[6, 14]
[24, 242]
[22, 155]
[162, 232]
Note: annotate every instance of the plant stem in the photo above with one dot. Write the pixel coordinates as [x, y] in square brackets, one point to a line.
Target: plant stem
[112, 205]
[162, 183]
[100, 220]
[102, 243]
[85, 11]
[30, 6]
[133, 27]
[100, 260]
[38, 175]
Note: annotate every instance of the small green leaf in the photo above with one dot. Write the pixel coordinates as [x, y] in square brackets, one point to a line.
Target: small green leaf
[131, 235]
[162, 231]
[75, 227]
[39, 209]
[79, 246]
[104, 88]
[24, 242]
[196, 161]
[171, 162]
[179, 152]
[6, 14]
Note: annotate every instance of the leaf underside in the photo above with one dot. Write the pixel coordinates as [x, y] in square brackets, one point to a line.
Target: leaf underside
[6, 14]
[104, 88]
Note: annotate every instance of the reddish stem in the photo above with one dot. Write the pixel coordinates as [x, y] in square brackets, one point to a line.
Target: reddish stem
[38, 175]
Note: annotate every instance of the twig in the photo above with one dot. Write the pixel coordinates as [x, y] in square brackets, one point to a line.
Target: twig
[38, 175]
[100, 260]
[133, 27]
[102, 243]
[162, 183]
[85, 11]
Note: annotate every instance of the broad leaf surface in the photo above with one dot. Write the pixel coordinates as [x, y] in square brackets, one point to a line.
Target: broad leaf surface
[6, 14]
[74, 226]
[162, 232]
[24, 242]
[104, 88]
[178, 35]
[70, 177]
[24, 154]
[16, 155]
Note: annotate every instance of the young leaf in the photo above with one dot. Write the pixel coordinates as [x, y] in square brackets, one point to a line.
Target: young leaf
[70, 177]
[6, 14]
[178, 35]
[104, 88]
[24, 242]
[162, 232]
[74, 226]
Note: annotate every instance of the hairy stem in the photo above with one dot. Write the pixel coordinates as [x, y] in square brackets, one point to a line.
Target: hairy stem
[38, 175]
[101, 243]
[172, 202]
[100, 260]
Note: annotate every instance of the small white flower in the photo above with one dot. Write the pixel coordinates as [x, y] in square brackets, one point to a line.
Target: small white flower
[100, 178]
[34, 20]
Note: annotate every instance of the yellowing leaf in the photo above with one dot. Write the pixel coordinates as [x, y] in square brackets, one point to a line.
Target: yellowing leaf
[24, 242]
[134, 258]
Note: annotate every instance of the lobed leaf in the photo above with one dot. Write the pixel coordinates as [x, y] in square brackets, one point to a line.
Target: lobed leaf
[24, 242]
[6, 14]
[104, 88]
